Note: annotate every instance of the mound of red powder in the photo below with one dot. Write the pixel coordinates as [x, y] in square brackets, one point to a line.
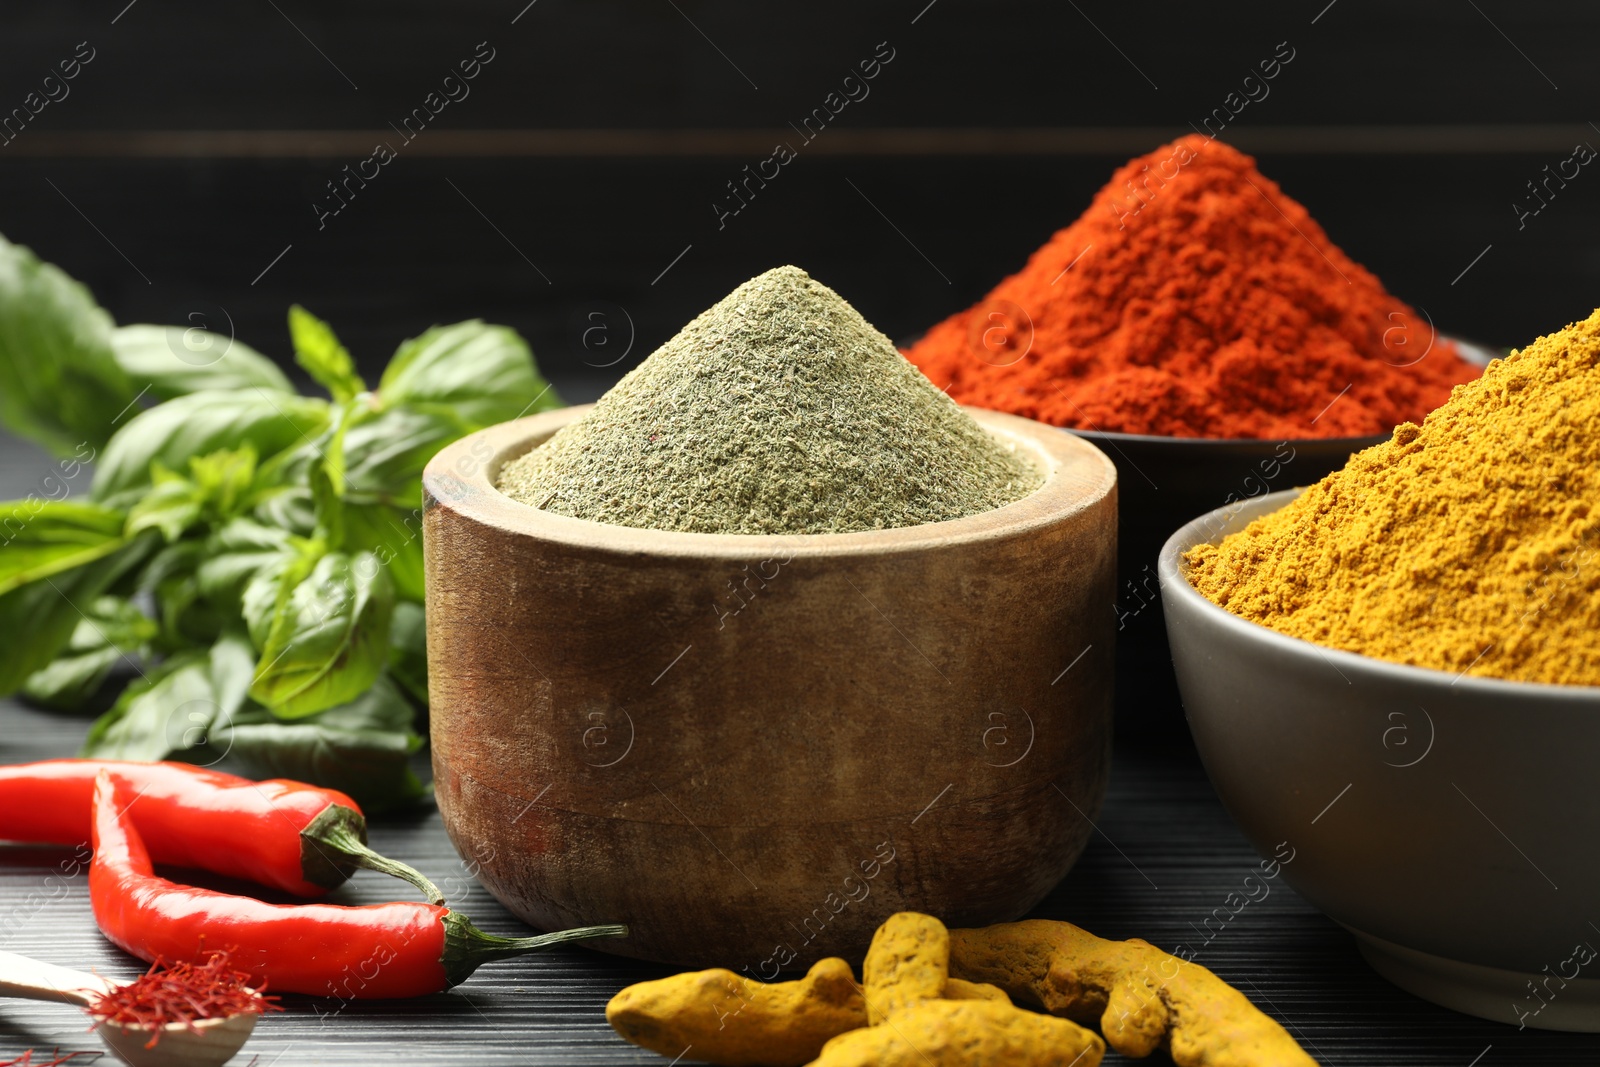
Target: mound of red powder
[1194, 299]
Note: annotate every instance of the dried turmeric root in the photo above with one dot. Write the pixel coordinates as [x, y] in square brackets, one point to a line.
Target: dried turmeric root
[956, 989]
[734, 1021]
[1141, 996]
[909, 961]
[965, 1033]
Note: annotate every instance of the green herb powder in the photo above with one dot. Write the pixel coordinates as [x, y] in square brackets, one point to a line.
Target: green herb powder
[778, 411]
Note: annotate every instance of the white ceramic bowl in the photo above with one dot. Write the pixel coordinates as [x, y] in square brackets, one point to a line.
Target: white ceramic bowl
[1450, 822]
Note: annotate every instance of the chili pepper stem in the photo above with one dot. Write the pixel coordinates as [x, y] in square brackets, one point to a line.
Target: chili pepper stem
[342, 832]
[466, 948]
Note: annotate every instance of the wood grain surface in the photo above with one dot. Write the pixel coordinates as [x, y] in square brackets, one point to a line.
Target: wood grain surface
[1165, 854]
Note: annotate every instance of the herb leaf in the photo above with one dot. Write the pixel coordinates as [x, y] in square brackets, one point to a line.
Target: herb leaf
[385, 455]
[235, 554]
[326, 641]
[59, 384]
[197, 424]
[215, 490]
[177, 360]
[484, 373]
[408, 649]
[177, 706]
[45, 537]
[266, 594]
[317, 349]
[362, 748]
[113, 627]
[59, 556]
[394, 535]
[187, 617]
[277, 535]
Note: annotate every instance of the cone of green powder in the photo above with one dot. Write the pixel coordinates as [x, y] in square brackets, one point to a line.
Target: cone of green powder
[780, 410]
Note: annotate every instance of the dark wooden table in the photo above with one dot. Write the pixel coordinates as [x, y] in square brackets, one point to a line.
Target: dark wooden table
[1165, 854]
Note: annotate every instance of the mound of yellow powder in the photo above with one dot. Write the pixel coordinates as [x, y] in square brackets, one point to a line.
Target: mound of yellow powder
[1468, 544]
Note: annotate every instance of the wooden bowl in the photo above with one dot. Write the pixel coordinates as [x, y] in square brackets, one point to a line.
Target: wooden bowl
[752, 749]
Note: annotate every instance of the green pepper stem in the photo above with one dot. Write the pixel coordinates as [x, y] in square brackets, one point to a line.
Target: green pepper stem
[343, 832]
[466, 948]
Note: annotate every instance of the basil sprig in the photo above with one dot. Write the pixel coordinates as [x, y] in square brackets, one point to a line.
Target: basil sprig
[254, 552]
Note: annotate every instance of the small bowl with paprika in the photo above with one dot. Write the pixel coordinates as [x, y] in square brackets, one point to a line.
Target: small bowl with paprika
[1393, 676]
[1198, 325]
[1164, 482]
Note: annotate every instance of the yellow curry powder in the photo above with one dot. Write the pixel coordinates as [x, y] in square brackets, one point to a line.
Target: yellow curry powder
[1468, 544]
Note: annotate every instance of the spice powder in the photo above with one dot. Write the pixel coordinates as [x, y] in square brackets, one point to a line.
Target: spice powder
[780, 410]
[1469, 544]
[1195, 299]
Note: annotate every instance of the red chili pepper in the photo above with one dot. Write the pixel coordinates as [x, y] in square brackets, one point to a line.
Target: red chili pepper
[404, 949]
[300, 838]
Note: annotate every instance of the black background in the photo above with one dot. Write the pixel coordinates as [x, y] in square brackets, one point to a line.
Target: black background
[598, 138]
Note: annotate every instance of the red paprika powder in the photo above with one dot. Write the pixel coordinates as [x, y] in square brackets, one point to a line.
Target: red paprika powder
[1194, 299]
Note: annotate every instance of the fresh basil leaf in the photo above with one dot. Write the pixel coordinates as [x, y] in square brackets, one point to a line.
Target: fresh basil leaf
[177, 707]
[267, 592]
[225, 478]
[394, 536]
[289, 508]
[172, 505]
[233, 555]
[213, 492]
[136, 721]
[197, 424]
[408, 649]
[386, 453]
[39, 538]
[59, 384]
[327, 640]
[59, 556]
[362, 748]
[327, 473]
[40, 617]
[169, 579]
[115, 619]
[176, 361]
[188, 618]
[172, 561]
[113, 627]
[382, 507]
[71, 680]
[317, 349]
[484, 373]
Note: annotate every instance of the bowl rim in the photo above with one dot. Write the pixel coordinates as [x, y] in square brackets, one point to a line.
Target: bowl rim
[1077, 476]
[1356, 443]
[1200, 530]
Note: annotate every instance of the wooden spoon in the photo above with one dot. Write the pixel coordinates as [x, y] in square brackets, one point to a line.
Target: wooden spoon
[205, 1043]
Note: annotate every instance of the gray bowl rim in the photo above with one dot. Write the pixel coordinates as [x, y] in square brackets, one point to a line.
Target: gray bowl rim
[1224, 443]
[1175, 583]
